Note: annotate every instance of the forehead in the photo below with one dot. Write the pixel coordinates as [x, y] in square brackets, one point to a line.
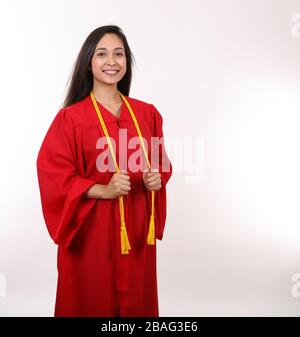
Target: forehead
[110, 40]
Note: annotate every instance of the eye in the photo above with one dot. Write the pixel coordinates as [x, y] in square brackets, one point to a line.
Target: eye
[100, 54]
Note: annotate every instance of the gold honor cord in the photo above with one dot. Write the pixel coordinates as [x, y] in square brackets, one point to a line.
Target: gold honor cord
[125, 245]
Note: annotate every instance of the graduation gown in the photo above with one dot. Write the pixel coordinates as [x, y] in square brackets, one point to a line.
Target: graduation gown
[94, 278]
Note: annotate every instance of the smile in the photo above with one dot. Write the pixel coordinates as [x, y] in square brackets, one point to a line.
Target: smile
[110, 72]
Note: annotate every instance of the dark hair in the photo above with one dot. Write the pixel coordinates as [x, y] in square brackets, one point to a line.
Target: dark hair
[82, 77]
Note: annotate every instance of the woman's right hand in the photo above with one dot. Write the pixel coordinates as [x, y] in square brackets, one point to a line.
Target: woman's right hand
[119, 185]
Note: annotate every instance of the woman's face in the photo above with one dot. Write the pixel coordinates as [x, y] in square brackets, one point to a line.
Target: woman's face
[109, 55]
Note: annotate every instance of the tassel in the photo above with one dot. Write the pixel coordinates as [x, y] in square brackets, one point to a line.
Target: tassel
[151, 232]
[125, 245]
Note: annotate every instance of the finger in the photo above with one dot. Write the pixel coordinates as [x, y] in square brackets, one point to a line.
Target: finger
[154, 178]
[123, 193]
[124, 176]
[152, 175]
[154, 182]
[125, 187]
[122, 184]
[154, 188]
[150, 171]
[119, 183]
[124, 181]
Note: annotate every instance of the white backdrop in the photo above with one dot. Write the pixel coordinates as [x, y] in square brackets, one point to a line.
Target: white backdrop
[225, 75]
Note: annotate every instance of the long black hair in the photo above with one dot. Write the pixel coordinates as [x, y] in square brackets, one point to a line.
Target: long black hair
[82, 77]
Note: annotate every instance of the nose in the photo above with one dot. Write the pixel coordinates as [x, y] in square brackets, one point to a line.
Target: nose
[110, 59]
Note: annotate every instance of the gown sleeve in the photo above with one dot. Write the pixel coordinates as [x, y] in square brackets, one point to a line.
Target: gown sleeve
[165, 169]
[60, 182]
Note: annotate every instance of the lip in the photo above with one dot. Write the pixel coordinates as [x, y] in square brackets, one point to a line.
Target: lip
[111, 70]
[115, 72]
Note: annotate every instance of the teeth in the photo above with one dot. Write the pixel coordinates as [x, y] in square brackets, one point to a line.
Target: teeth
[110, 71]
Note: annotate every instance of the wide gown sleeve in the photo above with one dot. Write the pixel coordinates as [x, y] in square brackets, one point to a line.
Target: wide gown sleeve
[165, 169]
[60, 181]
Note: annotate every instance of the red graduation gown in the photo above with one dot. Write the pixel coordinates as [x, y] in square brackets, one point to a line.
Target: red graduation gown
[94, 278]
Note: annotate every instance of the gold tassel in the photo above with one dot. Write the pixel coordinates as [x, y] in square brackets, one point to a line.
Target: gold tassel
[125, 245]
[151, 232]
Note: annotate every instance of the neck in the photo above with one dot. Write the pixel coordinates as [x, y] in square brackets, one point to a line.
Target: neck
[106, 92]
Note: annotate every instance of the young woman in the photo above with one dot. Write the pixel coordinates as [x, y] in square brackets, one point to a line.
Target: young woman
[102, 172]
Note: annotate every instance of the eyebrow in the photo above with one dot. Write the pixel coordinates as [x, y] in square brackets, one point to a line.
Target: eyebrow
[106, 48]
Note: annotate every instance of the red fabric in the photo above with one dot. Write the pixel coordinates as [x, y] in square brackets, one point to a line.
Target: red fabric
[94, 278]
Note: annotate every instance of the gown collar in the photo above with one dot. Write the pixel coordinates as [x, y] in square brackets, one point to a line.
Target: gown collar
[111, 118]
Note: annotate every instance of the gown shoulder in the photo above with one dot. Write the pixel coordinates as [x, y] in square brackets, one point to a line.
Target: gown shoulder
[80, 111]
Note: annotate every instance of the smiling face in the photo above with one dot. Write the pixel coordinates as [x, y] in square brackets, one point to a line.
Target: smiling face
[109, 60]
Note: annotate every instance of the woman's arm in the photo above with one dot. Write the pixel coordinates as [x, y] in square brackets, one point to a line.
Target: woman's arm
[119, 185]
[97, 191]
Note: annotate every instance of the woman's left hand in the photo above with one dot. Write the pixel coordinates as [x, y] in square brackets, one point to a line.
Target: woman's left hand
[152, 180]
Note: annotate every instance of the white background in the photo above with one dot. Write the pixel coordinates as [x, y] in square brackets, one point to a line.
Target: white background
[224, 72]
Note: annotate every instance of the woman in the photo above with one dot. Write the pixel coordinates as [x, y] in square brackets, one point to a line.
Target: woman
[103, 200]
